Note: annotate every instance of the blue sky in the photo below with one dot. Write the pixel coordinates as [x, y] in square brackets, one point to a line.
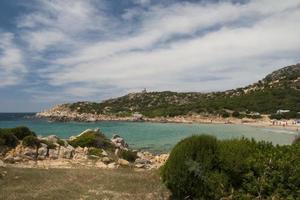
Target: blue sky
[57, 51]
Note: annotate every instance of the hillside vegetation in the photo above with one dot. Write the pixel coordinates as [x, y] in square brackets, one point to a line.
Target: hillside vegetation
[278, 90]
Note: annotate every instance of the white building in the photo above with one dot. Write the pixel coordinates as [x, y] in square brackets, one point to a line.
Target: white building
[282, 111]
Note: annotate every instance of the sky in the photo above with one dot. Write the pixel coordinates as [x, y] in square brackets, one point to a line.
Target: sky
[58, 51]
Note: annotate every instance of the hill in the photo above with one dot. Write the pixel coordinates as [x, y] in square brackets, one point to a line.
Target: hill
[278, 90]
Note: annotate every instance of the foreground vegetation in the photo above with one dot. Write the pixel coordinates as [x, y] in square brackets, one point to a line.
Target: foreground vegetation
[28, 184]
[201, 167]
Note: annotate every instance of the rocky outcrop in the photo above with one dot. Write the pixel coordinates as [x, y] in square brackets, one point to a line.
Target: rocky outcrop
[66, 156]
[119, 142]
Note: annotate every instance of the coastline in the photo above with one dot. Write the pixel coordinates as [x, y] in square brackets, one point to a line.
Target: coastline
[65, 115]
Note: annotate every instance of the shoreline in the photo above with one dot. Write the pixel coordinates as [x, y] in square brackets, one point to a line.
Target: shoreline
[198, 119]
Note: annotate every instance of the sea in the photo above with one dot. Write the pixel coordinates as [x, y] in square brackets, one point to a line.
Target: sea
[153, 137]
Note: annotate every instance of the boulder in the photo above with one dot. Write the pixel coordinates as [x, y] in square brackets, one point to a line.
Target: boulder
[66, 152]
[112, 166]
[51, 138]
[101, 164]
[123, 162]
[9, 159]
[106, 160]
[139, 166]
[53, 153]
[119, 141]
[104, 153]
[142, 161]
[31, 152]
[115, 136]
[43, 150]
[18, 159]
[2, 164]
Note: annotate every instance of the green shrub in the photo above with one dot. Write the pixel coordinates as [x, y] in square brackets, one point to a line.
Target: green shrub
[225, 115]
[21, 132]
[95, 152]
[31, 141]
[91, 139]
[128, 155]
[235, 114]
[8, 139]
[192, 170]
[246, 169]
[61, 142]
[50, 145]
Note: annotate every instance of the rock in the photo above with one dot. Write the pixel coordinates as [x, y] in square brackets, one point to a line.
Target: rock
[86, 150]
[119, 141]
[53, 153]
[43, 150]
[117, 152]
[123, 162]
[139, 166]
[9, 159]
[93, 157]
[112, 166]
[51, 138]
[115, 136]
[97, 130]
[142, 161]
[140, 155]
[31, 152]
[100, 164]
[2, 164]
[106, 160]
[66, 152]
[18, 159]
[104, 153]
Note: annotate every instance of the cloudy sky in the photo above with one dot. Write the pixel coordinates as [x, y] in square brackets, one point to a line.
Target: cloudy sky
[56, 51]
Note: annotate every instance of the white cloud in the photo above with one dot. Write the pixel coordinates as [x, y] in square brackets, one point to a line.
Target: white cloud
[174, 47]
[12, 68]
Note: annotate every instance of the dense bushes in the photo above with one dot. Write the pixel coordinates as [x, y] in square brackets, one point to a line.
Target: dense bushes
[127, 155]
[31, 141]
[192, 170]
[200, 167]
[95, 152]
[21, 132]
[8, 139]
[91, 139]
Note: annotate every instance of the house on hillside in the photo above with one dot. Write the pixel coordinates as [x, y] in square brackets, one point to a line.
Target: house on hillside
[282, 111]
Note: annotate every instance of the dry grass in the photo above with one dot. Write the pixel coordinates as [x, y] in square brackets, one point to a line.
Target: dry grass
[121, 184]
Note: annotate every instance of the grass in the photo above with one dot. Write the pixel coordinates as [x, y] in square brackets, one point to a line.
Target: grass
[19, 183]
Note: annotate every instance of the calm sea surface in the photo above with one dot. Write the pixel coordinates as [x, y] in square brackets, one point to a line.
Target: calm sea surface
[157, 137]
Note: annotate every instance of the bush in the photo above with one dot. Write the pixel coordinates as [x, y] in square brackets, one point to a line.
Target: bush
[192, 170]
[91, 139]
[31, 141]
[61, 142]
[21, 132]
[95, 152]
[50, 145]
[8, 139]
[128, 155]
[235, 114]
[240, 168]
[225, 115]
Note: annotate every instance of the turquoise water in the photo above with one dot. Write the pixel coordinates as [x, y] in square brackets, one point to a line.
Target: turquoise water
[157, 137]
